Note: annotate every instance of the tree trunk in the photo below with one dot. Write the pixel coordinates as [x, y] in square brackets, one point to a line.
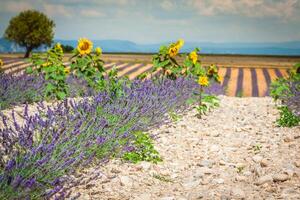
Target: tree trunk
[28, 50]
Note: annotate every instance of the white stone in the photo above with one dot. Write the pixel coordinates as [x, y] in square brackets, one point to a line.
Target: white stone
[241, 178]
[264, 179]
[288, 139]
[218, 181]
[214, 147]
[238, 193]
[145, 196]
[126, 181]
[297, 163]
[167, 198]
[280, 177]
[257, 158]
[145, 165]
[191, 184]
[206, 163]
[264, 163]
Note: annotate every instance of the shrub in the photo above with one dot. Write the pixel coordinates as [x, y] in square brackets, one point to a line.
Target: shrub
[58, 140]
[142, 149]
[54, 71]
[287, 92]
[165, 61]
[15, 90]
[67, 48]
[88, 65]
[287, 118]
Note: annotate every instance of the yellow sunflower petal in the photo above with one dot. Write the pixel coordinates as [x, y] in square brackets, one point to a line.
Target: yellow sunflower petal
[67, 70]
[193, 56]
[173, 51]
[203, 81]
[180, 43]
[98, 51]
[84, 46]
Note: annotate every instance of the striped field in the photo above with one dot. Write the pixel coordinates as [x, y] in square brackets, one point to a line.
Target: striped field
[238, 81]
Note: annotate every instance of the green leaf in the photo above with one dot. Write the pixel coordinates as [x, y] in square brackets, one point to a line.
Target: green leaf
[197, 49]
[163, 50]
[29, 70]
[142, 76]
[49, 69]
[163, 63]
[188, 63]
[61, 95]
[191, 101]
[50, 87]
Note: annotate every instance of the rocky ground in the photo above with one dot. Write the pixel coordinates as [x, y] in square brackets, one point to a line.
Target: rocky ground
[236, 152]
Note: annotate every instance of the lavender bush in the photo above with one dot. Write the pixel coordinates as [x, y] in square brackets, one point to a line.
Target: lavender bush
[22, 89]
[58, 140]
[16, 90]
[293, 101]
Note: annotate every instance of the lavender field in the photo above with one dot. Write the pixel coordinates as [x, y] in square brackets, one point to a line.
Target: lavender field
[157, 119]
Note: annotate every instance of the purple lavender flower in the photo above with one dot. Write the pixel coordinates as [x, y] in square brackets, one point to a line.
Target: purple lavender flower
[17, 181]
[129, 149]
[100, 140]
[30, 183]
[10, 165]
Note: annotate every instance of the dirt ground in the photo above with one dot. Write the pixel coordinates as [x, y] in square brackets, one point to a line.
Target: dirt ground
[207, 59]
[236, 152]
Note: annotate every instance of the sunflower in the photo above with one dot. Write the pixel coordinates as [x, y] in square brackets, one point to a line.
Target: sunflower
[194, 56]
[58, 48]
[212, 70]
[219, 79]
[46, 64]
[203, 81]
[1, 63]
[180, 43]
[58, 45]
[98, 51]
[173, 51]
[84, 46]
[67, 70]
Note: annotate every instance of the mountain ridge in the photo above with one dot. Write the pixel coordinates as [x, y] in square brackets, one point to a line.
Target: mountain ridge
[112, 46]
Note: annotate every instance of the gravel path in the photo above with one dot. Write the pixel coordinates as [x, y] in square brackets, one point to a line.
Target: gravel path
[236, 152]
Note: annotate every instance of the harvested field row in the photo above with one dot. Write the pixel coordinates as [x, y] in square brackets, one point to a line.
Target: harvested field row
[239, 81]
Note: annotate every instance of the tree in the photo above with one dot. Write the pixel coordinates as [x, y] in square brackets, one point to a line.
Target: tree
[30, 29]
[67, 48]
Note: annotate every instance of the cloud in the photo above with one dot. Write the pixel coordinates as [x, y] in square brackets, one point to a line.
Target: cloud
[57, 10]
[14, 7]
[96, 2]
[91, 13]
[167, 5]
[251, 8]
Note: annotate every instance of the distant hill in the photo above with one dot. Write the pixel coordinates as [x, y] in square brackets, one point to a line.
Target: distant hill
[10, 47]
[110, 46]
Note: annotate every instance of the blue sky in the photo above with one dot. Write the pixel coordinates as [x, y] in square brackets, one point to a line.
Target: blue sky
[154, 21]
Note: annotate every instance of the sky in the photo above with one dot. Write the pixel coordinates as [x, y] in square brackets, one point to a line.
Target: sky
[155, 21]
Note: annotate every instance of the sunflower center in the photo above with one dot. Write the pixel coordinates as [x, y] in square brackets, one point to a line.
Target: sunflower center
[85, 46]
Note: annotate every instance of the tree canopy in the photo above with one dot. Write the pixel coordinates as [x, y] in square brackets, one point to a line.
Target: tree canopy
[30, 29]
[67, 48]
